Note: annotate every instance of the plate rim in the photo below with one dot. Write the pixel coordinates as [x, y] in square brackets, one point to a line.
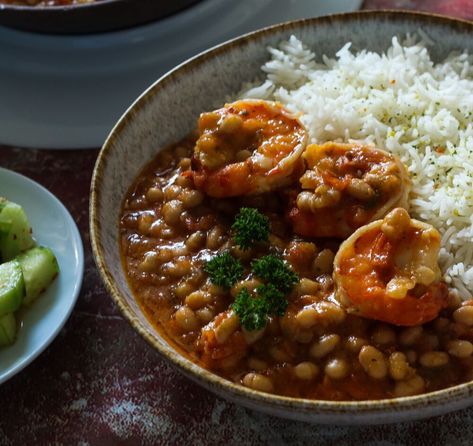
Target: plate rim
[75, 290]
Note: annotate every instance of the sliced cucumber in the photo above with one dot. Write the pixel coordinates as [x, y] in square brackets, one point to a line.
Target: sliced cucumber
[12, 287]
[5, 227]
[18, 238]
[7, 329]
[40, 267]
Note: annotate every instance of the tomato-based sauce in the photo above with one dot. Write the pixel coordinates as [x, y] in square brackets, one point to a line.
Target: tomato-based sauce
[318, 349]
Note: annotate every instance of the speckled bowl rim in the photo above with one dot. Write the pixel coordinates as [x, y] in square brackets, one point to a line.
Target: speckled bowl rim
[210, 380]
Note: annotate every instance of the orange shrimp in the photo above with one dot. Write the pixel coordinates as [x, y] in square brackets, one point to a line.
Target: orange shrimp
[221, 352]
[388, 271]
[347, 186]
[247, 147]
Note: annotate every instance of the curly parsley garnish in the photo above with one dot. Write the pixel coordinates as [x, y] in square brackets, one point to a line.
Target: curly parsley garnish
[254, 311]
[275, 298]
[274, 270]
[250, 226]
[224, 270]
[268, 299]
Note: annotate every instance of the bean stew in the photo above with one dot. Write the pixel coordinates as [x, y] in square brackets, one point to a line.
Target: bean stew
[223, 273]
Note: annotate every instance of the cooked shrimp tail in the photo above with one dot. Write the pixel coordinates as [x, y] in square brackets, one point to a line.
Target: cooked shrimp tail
[248, 147]
[347, 186]
[388, 271]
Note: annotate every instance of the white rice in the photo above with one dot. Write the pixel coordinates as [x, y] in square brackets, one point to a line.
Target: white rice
[405, 103]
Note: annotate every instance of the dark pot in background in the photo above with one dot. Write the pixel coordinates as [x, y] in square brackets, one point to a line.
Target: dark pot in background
[104, 15]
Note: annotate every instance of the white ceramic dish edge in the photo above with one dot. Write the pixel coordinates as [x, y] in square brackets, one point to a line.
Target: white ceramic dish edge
[43, 321]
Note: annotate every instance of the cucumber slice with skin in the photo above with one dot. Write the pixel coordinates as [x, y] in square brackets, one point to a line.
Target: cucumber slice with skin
[40, 268]
[18, 238]
[7, 329]
[12, 287]
[5, 227]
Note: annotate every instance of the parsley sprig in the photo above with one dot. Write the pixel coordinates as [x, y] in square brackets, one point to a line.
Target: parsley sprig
[250, 226]
[274, 270]
[270, 298]
[253, 309]
[275, 298]
[224, 270]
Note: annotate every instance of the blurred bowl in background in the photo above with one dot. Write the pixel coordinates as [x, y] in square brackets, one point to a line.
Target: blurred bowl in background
[66, 91]
[83, 18]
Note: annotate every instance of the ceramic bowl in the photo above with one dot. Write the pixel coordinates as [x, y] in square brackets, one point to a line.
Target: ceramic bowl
[104, 15]
[168, 111]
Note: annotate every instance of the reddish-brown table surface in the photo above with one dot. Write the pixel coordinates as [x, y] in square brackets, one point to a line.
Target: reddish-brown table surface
[455, 8]
[99, 383]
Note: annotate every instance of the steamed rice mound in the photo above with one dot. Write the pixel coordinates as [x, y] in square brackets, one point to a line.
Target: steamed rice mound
[404, 103]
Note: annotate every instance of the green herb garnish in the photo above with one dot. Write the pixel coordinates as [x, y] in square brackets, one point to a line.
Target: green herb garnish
[250, 226]
[269, 299]
[274, 270]
[224, 270]
[276, 300]
[252, 311]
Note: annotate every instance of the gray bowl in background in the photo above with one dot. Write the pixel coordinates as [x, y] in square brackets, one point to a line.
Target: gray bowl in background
[103, 15]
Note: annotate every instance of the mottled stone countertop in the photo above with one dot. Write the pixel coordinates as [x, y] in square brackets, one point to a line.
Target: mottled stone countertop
[99, 383]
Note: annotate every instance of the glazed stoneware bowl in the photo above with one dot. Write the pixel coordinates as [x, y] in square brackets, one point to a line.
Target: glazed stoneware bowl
[168, 111]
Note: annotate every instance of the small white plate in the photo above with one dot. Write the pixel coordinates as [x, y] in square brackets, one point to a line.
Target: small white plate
[54, 227]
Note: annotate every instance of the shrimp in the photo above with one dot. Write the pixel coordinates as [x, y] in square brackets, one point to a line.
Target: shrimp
[388, 270]
[347, 186]
[221, 342]
[247, 147]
